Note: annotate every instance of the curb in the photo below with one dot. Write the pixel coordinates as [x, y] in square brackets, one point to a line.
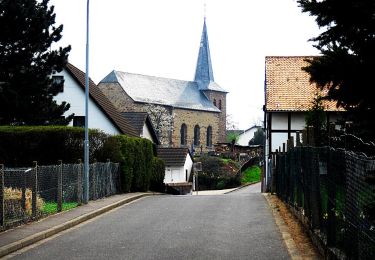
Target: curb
[15, 246]
[287, 238]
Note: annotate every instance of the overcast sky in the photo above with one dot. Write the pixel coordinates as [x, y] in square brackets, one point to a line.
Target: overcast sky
[161, 38]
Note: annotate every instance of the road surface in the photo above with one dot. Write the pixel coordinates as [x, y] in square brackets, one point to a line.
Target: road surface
[238, 225]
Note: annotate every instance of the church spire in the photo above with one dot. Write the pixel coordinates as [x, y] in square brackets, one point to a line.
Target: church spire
[203, 71]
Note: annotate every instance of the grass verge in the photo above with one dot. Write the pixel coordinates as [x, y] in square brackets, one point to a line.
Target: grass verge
[251, 174]
[51, 207]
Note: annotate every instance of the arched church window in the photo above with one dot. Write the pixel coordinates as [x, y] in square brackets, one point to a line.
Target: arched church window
[214, 102]
[197, 134]
[183, 135]
[209, 136]
[220, 104]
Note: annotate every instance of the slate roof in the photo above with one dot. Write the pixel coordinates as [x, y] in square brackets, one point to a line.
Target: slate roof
[288, 87]
[173, 156]
[102, 101]
[161, 91]
[204, 71]
[204, 74]
[138, 120]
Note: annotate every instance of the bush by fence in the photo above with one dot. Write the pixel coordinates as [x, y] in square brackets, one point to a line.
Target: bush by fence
[334, 190]
[31, 193]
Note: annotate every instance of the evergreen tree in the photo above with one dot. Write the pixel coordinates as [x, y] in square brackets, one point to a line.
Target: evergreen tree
[259, 137]
[233, 138]
[27, 63]
[347, 64]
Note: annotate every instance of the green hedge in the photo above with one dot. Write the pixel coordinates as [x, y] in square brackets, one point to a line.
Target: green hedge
[136, 156]
[157, 175]
[21, 145]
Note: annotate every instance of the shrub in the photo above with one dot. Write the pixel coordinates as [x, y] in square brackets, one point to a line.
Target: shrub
[157, 175]
[218, 173]
[136, 162]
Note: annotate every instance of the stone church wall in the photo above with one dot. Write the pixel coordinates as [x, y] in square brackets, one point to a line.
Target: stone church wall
[119, 98]
[221, 103]
[192, 118]
[123, 103]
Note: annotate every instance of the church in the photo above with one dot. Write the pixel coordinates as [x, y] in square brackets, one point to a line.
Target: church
[197, 108]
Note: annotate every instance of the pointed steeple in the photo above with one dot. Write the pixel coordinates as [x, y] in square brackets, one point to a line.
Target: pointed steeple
[203, 71]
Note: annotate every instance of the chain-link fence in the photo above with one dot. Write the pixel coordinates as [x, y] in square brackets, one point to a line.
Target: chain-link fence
[31, 193]
[335, 191]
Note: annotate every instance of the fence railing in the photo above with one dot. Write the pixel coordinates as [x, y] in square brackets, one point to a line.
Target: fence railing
[31, 193]
[334, 191]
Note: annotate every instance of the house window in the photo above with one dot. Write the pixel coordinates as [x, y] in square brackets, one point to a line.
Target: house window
[183, 134]
[197, 133]
[220, 104]
[209, 136]
[58, 81]
[215, 102]
[79, 121]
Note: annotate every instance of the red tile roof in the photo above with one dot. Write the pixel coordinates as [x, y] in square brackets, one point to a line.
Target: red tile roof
[102, 101]
[288, 87]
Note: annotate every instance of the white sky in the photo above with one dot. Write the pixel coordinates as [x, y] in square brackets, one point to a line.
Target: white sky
[161, 38]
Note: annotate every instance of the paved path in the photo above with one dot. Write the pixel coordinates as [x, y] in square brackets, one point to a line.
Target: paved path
[234, 226]
[254, 188]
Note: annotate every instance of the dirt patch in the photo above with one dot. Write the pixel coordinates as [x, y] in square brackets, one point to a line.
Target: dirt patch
[294, 227]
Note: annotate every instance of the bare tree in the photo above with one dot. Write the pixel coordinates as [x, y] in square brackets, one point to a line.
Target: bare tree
[162, 120]
[231, 125]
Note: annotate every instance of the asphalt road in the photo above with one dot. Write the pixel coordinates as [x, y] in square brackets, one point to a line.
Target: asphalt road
[234, 226]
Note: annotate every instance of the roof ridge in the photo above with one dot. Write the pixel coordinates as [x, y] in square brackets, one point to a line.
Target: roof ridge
[152, 76]
[101, 100]
[292, 56]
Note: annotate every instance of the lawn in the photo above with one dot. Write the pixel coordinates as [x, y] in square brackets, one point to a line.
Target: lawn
[51, 207]
[251, 174]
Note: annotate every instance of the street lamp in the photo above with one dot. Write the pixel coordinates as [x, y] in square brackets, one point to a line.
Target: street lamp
[86, 143]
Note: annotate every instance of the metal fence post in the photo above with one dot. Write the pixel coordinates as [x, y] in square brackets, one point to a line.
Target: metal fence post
[299, 178]
[23, 195]
[59, 186]
[109, 178]
[310, 135]
[79, 182]
[2, 220]
[298, 139]
[34, 188]
[305, 140]
[315, 190]
[331, 187]
[94, 191]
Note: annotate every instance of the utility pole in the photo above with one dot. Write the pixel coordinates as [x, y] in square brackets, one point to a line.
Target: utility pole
[86, 143]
